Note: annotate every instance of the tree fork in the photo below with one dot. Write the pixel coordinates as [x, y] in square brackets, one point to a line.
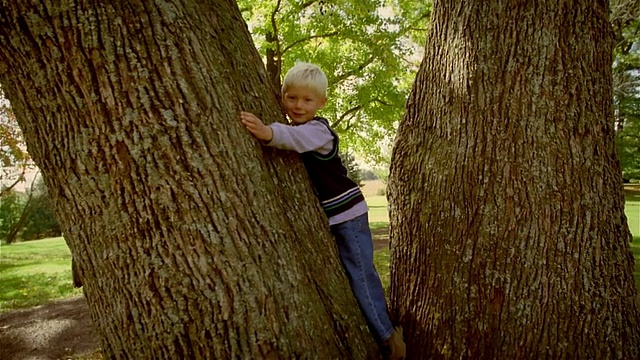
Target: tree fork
[192, 241]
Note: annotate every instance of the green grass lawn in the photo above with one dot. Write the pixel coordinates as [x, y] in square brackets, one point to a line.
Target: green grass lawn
[635, 248]
[378, 212]
[35, 272]
[632, 210]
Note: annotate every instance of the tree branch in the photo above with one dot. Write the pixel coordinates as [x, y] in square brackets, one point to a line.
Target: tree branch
[355, 109]
[4, 191]
[24, 216]
[299, 41]
[381, 102]
[274, 26]
[347, 113]
[273, 54]
[307, 4]
[355, 71]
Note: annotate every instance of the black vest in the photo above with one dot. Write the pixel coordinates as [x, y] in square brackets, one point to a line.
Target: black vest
[335, 190]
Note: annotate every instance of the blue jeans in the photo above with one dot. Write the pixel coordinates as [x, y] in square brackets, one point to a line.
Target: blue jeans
[355, 246]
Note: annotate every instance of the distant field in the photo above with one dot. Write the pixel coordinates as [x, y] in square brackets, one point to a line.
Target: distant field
[632, 210]
[378, 211]
[373, 188]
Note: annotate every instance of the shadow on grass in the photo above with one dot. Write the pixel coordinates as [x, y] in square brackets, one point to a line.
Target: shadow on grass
[24, 291]
[635, 249]
[11, 266]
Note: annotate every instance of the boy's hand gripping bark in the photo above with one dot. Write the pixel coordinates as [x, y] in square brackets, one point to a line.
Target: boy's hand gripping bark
[256, 127]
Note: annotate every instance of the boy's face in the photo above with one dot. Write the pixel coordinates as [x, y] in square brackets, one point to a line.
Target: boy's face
[302, 103]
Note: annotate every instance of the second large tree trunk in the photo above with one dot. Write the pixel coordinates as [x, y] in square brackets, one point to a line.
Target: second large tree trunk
[192, 240]
[509, 239]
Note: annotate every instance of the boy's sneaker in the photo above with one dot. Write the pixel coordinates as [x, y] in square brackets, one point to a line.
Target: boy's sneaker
[394, 347]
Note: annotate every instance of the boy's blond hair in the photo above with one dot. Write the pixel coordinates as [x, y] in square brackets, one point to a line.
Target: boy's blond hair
[306, 75]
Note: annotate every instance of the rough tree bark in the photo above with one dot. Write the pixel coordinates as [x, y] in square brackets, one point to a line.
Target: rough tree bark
[193, 241]
[509, 239]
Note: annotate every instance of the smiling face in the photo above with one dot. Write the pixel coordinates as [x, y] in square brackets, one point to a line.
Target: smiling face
[302, 103]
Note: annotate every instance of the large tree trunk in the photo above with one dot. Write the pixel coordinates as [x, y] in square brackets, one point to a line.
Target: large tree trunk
[193, 241]
[509, 239]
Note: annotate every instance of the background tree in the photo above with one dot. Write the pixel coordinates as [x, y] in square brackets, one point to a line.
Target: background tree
[364, 46]
[25, 207]
[41, 222]
[628, 135]
[353, 169]
[192, 240]
[11, 206]
[626, 80]
[16, 167]
[509, 239]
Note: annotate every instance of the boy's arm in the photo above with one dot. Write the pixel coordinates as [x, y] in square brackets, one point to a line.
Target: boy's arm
[311, 136]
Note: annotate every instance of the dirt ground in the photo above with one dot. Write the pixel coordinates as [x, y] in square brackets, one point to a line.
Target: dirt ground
[63, 329]
[58, 330]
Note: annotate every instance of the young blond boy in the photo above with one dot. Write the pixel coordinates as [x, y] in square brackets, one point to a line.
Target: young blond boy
[304, 93]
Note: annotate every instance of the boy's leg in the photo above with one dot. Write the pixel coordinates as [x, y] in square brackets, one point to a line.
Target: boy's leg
[355, 246]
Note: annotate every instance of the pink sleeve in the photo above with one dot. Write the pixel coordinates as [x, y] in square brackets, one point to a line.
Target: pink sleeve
[310, 136]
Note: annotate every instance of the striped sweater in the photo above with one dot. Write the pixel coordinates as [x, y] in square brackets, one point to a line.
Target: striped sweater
[318, 145]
